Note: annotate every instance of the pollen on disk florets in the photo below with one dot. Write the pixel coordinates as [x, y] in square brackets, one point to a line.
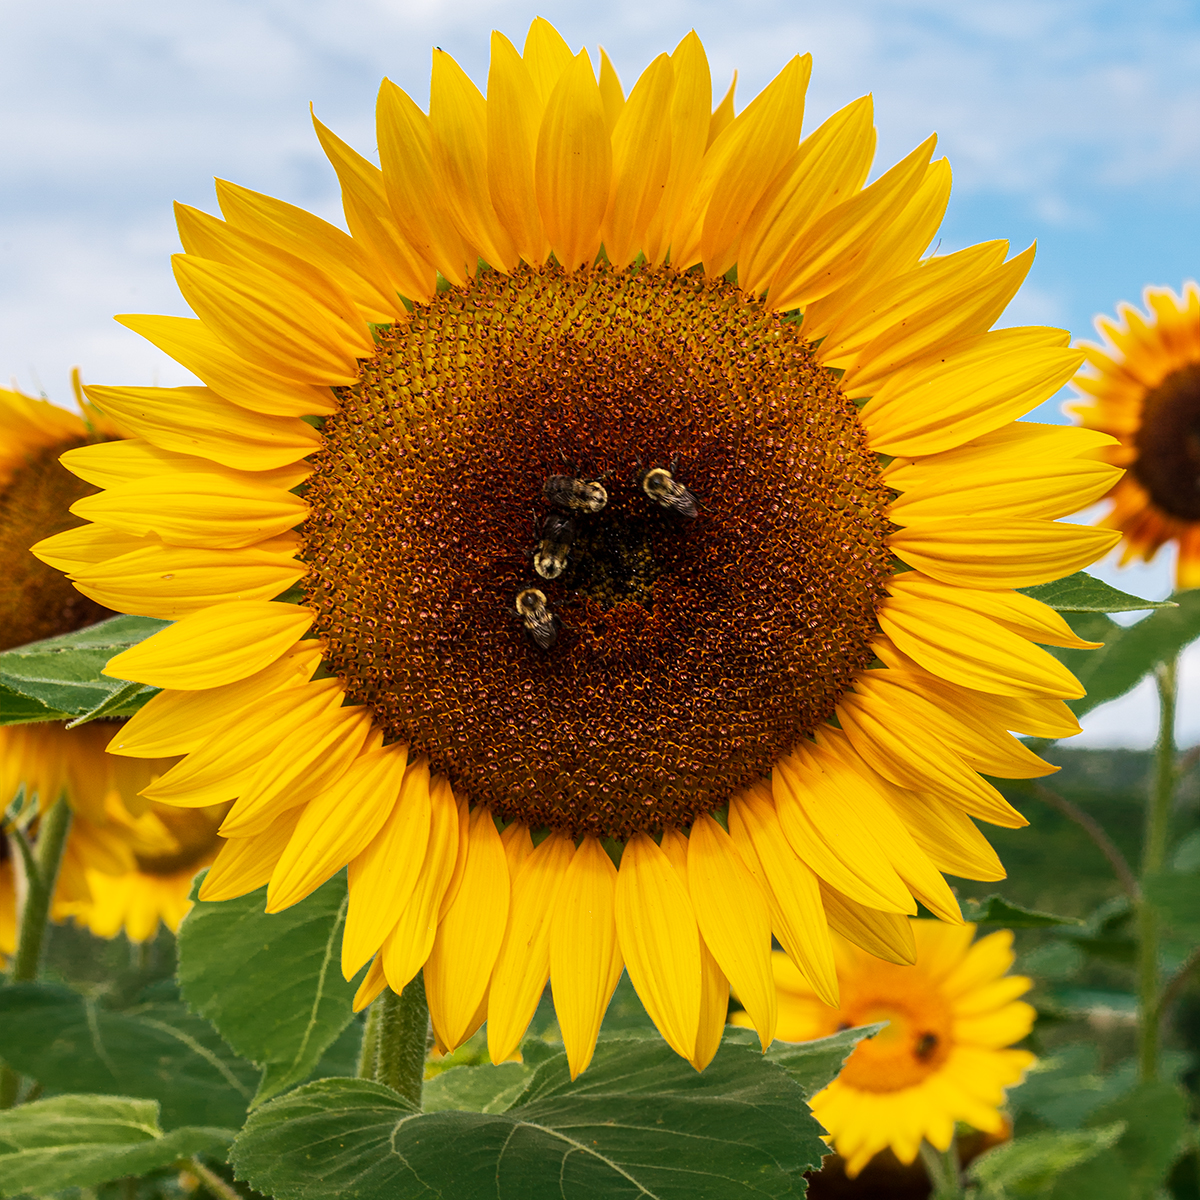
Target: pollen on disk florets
[36, 601]
[691, 652]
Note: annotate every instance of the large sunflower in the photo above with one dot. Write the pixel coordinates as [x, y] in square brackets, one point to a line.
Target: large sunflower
[943, 1056]
[1143, 388]
[458, 628]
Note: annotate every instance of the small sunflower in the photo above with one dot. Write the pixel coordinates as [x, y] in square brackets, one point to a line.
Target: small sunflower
[943, 1056]
[1143, 388]
[525, 542]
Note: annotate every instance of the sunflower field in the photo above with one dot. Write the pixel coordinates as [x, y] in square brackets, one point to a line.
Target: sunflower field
[519, 726]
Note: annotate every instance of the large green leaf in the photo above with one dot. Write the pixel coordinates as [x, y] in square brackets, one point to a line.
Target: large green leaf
[82, 1141]
[157, 1052]
[995, 910]
[58, 678]
[1082, 592]
[272, 984]
[1129, 652]
[639, 1123]
[1028, 1165]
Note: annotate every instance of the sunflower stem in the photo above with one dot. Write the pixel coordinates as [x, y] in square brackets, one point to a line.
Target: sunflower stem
[944, 1171]
[403, 1040]
[41, 874]
[1154, 851]
[368, 1056]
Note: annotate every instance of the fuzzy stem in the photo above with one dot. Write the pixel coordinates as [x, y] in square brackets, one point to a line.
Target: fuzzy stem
[403, 1040]
[944, 1171]
[368, 1055]
[1154, 852]
[41, 874]
[211, 1180]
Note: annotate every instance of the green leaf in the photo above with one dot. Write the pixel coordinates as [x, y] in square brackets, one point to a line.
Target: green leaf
[639, 1123]
[59, 678]
[271, 984]
[1066, 1087]
[814, 1064]
[483, 1089]
[995, 910]
[1028, 1165]
[155, 1051]
[1155, 1116]
[1129, 653]
[1082, 592]
[82, 1141]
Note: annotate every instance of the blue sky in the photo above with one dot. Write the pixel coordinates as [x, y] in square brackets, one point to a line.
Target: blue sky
[1075, 122]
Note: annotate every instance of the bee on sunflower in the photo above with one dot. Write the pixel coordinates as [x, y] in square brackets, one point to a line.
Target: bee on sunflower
[766, 714]
[1142, 386]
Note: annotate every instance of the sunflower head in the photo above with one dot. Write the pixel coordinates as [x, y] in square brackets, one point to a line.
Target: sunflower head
[1142, 385]
[606, 547]
[943, 1055]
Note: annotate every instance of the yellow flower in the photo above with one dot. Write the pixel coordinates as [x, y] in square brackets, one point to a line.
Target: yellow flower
[35, 493]
[942, 1058]
[560, 281]
[1144, 390]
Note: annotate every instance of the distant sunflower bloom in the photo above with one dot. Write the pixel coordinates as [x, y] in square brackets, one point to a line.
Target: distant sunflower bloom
[942, 1058]
[587, 535]
[1143, 388]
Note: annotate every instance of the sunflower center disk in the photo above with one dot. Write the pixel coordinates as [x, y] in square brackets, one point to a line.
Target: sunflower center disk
[37, 601]
[915, 1043]
[688, 652]
[1168, 444]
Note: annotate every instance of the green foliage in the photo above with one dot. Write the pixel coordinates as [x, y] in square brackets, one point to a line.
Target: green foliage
[1029, 1166]
[81, 1141]
[639, 1122]
[995, 910]
[271, 984]
[1129, 652]
[158, 1051]
[1176, 894]
[1081, 592]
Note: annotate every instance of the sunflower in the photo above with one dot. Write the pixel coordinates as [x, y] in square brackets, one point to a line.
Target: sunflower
[525, 543]
[1143, 388]
[942, 1057]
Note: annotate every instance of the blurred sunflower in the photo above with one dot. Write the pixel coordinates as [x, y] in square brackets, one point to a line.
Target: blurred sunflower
[1143, 388]
[559, 281]
[943, 1056]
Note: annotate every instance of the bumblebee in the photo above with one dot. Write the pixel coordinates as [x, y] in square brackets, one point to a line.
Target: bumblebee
[665, 490]
[540, 622]
[554, 545]
[583, 495]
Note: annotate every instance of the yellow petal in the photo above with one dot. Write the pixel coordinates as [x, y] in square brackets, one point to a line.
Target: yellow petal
[419, 209]
[470, 934]
[689, 122]
[170, 582]
[383, 876]
[523, 965]
[459, 140]
[573, 166]
[967, 389]
[220, 645]
[338, 825]
[514, 114]
[345, 260]
[196, 509]
[722, 115]
[518, 846]
[370, 219]
[959, 313]
[886, 935]
[192, 420]
[243, 865]
[660, 942]
[585, 957]
[947, 836]
[87, 546]
[198, 348]
[833, 251]
[408, 945]
[308, 342]
[829, 167]
[372, 985]
[734, 920]
[1012, 552]
[641, 157]
[546, 57]
[178, 722]
[611, 92]
[792, 890]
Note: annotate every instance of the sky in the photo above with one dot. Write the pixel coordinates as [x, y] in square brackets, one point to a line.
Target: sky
[1072, 122]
